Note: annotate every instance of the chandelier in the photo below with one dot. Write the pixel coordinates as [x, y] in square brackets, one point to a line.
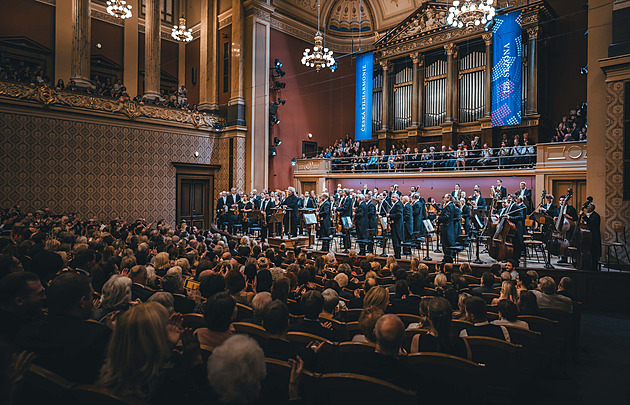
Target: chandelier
[321, 57]
[119, 9]
[180, 33]
[470, 13]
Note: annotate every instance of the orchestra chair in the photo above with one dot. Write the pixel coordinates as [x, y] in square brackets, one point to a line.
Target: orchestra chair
[617, 244]
[243, 311]
[193, 321]
[502, 366]
[257, 332]
[237, 229]
[41, 385]
[95, 395]
[321, 240]
[535, 246]
[431, 369]
[348, 388]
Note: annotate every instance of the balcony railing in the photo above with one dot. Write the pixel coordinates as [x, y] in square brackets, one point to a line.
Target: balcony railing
[501, 158]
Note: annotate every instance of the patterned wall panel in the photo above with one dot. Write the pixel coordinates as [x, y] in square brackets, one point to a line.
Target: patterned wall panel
[221, 155]
[98, 169]
[239, 164]
[616, 208]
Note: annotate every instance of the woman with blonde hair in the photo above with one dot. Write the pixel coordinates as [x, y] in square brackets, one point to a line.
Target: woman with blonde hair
[377, 296]
[508, 292]
[140, 361]
[161, 263]
[413, 265]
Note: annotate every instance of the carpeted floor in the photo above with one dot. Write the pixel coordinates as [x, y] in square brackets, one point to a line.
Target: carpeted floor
[600, 372]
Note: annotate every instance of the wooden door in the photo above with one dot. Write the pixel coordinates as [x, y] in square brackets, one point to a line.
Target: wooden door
[307, 186]
[193, 202]
[560, 187]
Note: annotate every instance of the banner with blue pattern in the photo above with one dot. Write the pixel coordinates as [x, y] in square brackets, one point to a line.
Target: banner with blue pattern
[363, 98]
[507, 52]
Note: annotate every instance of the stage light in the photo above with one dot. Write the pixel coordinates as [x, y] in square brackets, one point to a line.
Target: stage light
[274, 120]
[276, 140]
[333, 67]
[277, 64]
[280, 101]
[217, 126]
[280, 85]
[584, 70]
[310, 136]
[274, 152]
[293, 162]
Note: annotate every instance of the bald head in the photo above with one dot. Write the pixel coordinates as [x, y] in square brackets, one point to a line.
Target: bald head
[390, 332]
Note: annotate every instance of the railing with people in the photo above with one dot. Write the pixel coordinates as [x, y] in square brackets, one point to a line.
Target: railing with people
[500, 158]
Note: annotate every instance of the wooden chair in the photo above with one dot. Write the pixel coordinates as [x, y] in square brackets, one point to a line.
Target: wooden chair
[351, 329]
[255, 331]
[549, 330]
[355, 347]
[94, 395]
[41, 385]
[459, 325]
[348, 388]
[293, 319]
[566, 325]
[206, 352]
[243, 312]
[306, 338]
[409, 335]
[618, 243]
[501, 360]
[488, 297]
[352, 314]
[531, 342]
[275, 387]
[439, 371]
[193, 321]
[492, 316]
[471, 279]
[409, 318]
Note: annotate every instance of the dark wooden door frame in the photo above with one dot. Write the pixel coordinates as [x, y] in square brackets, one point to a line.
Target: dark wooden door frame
[204, 172]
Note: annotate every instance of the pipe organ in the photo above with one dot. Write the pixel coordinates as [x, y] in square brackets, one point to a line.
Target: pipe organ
[434, 80]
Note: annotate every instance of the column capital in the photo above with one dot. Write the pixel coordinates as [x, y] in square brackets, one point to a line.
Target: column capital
[451, 49]
[533, 32]
[487, 38]
[385, 64]
[258, 9]
[417, 58]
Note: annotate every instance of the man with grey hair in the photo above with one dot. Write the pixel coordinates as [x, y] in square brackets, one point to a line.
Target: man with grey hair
[174, 283]
[331, 301]
[291, 217]
[259, 302]
[547, 296]
[236, 370]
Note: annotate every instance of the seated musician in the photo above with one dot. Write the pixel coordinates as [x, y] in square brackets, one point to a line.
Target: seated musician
[245, 209]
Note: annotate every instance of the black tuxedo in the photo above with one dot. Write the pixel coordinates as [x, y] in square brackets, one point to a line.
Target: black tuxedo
[502, 192]
[526, 194]
[267, 206]
[325, 222]
[419, 213]
[308, 202]
[232, 199]
[407, 224]
[480, 201]
[448, 233]
[291, 202]
[396, 217]
[593, 222]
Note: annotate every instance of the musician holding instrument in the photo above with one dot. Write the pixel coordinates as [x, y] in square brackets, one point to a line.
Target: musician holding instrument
[526, 194]
[549, 207]
[395, 216]
[515, 212]
[232, 202]
[245, 207]
[478, 201]
[291, 217]
[448, 232]
[266, 207]
[593, 221]
[407, 223]
[222, 209]
[419, 213]
[325, 221]
[566, 216]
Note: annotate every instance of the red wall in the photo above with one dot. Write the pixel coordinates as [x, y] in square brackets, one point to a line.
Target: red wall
[168, 58]
[566, 54]
[321, 103]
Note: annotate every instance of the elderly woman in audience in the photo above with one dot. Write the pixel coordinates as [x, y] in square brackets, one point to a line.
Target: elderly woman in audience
[116, 297]
[140, 362]
[367, 322]
[164, 298]
[377, 296]
[161, 263]
[439, 338]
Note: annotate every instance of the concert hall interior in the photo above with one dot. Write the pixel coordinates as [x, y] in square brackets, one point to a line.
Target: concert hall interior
[314, 201]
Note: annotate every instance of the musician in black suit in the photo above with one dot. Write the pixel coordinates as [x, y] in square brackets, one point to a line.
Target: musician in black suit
[502, 190]
[549, 207]
[267, 206]
[395, 215]
[478, 200]
[221, 207]
[593, 222]
[447, 230]
[291, 217]
[371, 221]
[325, 222]
[466, 215]
[515, 212]
[308, 201]
[570, 214]
[256, 199]
[361, 222]
[345, 211]
[457, 193]
[407, 222]
[232, 202]
[419, 213]
[526, 194]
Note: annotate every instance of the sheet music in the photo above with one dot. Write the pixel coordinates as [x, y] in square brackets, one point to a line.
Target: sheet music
[428, 225]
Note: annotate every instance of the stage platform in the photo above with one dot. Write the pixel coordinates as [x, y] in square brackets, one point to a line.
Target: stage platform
[289, 242]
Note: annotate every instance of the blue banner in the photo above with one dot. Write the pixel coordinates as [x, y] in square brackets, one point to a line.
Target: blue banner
[507, 51]
[363, 98]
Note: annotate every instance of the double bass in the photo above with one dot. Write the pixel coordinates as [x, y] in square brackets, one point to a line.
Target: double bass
[583, 240]
[559, 245]
[501, 244]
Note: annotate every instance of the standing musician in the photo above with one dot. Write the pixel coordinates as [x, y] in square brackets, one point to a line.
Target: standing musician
[362, 220]
[325, 222]
[266, 206]
[419, 213]
[466, 215]
[232, 202]
[593, 221]
[308, 201]
[457, 193]
[549, 207]
[291, 217]
[221, 209]
[395, 215]
[345, 211]
[245, 207]
[447, 230]
[514, 211]
[526, 194]
[407, 223]
[255, 199]
[371, 221]
[478, 201]
[500, 189]
[570, 214]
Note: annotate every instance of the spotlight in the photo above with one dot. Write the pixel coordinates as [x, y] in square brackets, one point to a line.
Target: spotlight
[310, 136]
[584, 70]
[279, 73]
[274, 120]
[217, 126]
[276, 140]
[489, 25]
[274, 152]
[280, 101]
[333, 67]
[280, 85]
[293, 162]
[277, 64]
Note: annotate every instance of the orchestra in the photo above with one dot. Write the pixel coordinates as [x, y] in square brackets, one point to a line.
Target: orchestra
[362, 216]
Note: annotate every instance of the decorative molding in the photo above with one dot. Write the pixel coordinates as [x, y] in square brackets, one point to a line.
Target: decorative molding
[48, 96]
[487, 38]
[225, 19]
[106, 17]
[533, 32]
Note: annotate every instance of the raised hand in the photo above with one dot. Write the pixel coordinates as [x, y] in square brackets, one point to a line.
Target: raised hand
[174, 327]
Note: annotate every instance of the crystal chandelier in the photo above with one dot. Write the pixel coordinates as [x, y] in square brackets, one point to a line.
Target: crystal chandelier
[180, 33]
[119, 9]
[470, 13]
[321, 57]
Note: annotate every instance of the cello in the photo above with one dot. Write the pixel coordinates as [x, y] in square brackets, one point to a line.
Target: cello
[501, 245]
[559, 243]
[583, 240]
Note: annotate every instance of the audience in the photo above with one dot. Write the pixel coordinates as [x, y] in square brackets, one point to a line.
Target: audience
[547, 296]
[477, 312]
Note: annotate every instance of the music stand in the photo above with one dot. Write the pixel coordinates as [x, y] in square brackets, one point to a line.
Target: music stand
[309, 219]
[478, 224]
[545, 219]
[277, 218]
[428, 225]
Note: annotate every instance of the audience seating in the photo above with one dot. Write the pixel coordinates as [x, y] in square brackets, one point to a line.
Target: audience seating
[449, 379]
[409, 318]
[243, 312]
[409, 334]
[347, 388]
[42, 385]
[531, 342]
[352, 314]
[206, 352]
[306, 338]
[355, 347]
[94, 395]
[257, 332]
[193, 321]
[458, 325]
[548, 329]
[488, 297]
